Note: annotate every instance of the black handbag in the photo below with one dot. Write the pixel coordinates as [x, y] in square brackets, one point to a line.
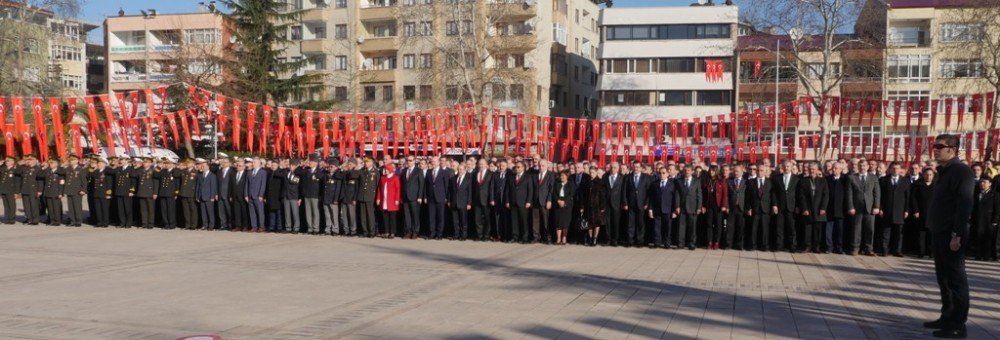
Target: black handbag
[584, 225]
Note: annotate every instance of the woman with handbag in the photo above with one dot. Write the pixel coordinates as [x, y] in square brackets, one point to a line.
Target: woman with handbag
[562, 201]
[594, 210]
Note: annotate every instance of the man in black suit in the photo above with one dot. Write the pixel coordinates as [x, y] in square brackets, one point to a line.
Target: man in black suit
[895, 209]
[240, 199]
[616, 199]
[413, 193]
[948, 218]
[541, 204]
[760, 196]
[519, 199]
[101, 189]
[636, 204]
[167, 193]
[460, 202]
[662, 205]
[813, 200]
[76, 188]
[785, 207]
[500, 211]
[207, 194]
[124, 191]
[841, 199]
[985, 216]
[224, 176]
[736, 220]
[437, 196]
[689, 205]
[481, 200]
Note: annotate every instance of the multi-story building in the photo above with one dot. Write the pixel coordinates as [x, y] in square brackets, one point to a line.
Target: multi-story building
[535, 56]
[96, 69]
[148, 49]
[56, 47]
[654, 60]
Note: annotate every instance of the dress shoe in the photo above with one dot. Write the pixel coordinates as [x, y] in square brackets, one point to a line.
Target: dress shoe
[936, 324]
[958, 333]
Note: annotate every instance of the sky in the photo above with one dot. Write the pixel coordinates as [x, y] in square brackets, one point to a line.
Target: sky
[95, 11]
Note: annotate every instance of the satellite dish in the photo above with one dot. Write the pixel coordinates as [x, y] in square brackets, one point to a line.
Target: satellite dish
[232, 39]
[361, 40]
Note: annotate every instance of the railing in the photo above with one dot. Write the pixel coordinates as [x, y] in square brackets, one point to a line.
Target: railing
[128, 49]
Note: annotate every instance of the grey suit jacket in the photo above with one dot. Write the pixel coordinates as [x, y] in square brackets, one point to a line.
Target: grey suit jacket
[866, 194]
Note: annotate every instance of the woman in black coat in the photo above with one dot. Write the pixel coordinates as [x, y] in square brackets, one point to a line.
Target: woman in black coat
[920, 196]
[594, 210]
[562, 201]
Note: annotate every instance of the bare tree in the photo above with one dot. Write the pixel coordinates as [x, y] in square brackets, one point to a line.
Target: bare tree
[814, 34]
[24, 36]
[975, 35]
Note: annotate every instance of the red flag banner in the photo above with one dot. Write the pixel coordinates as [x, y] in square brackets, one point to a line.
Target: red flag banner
[184, 125]
[324, 136]
[673, 131]
[265, 136]
[40, 131]
[8, 137]
[237, 123]
[281, 130]
[961, 111]
[251, 125]
[948, 102]
[55, 109]
[311, 131]
[173, 128]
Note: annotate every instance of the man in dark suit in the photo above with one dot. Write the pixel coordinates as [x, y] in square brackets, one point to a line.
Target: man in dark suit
[238, 186]
[813, 200]
[948, 218]
[310, 180]
[866, 198]
[167, 193]
[985, 216]
[760, 197]
[330, 201]
[785, 190]
[208, 194]
[52, 191]
[481, 200]
[224, 177]
[616, 202]
[689, 198]
[146, 189]
[460, 202]
[256, 188]
[9, 185]
[662, 206]
[736, 220]
[437, 196]
[413, 192]
[636, 204]
[498, 202]
[841, 200]
[520, 197]
[895, 209]
[123, 192]
[101, 186]
[75, 188]
[541, 205]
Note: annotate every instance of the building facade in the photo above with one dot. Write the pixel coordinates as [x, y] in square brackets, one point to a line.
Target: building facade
[536, 56]
[151, 49]
[52, 49]
[654, 61]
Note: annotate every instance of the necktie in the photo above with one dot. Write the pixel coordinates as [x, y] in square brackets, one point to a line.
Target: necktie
[637, 180]
[460, 180]
[894, 181]
[688, 182]
[737, 182]
[613, 181]
[408, 172]
[663, 184]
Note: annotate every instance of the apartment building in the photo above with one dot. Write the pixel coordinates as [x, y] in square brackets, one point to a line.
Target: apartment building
[55, 46]
[654, 61]
[535, 56]
[146, 50]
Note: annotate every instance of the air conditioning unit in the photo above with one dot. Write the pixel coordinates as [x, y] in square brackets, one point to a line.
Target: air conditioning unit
[529, 3]
[552, 104]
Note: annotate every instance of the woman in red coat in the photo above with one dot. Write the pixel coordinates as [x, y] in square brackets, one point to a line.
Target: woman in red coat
[387, 199]
[716, 202]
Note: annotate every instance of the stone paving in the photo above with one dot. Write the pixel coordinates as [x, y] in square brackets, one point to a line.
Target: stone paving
[87, 283]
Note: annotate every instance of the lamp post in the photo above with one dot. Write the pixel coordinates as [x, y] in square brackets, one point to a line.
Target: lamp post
[213, 106]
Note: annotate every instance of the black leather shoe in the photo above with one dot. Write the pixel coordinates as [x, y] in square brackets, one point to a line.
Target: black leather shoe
[951, 334]
[936, 324]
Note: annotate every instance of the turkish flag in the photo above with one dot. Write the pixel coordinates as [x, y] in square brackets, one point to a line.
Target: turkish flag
[990, 98]
[976, 99]
[713, 153]
[237, 122]
[324, 135]
[55, 109]
[187, 132]
[697, 129]
[961, 111]
[582, 130]
[948, 102]
[729, 153]
[658, 133]
[722, 127]
[8, 137]
[688, 154]
[571, 129]
[280, 133]
[673, 131]
[77, 146]
[3, 114]
[740, 151]
[311, 132]
[921, 108]
[708, 128]
[265, 136]
[110, 122]
[124, 127]
[251, 125]
[590, 153]
[909, 114]
[601, 156]
[684, 131]
[40, 128]
[620, 132]
[173, 128]
[766, 149]
[565, 149]
[645, 133]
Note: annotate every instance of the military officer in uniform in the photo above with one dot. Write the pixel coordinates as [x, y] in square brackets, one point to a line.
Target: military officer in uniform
[8, 190]
[52, 191]
[75, 188]
[123, 192]
[29, 189]
[331, 196]
[348, 196]
[186, 186]
[101, 184]
[146, 190]
[366, 198]
[166, 195]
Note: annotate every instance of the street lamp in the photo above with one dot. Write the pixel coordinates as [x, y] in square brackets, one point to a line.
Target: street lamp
[213, 106]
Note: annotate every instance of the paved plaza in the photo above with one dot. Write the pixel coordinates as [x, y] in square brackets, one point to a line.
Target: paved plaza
[87, 283]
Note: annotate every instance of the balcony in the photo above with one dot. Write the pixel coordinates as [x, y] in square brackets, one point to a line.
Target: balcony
[560, 79]
[128, 49]
[379, 13]
[376, 44]
[377, 76]
[164, 48]
[512, 43]
[314, 15]
[315, 46]
[512, 9]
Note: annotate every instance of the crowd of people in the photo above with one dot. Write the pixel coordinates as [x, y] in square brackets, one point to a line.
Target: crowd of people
[846, 206]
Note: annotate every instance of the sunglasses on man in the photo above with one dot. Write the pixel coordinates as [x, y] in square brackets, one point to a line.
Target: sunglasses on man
[942, 146]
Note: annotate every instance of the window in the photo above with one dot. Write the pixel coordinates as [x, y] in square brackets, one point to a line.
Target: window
[387, 93]
[961, 32]
[961, 68]
[384, 30]
[409, 92]
[815, 70]
[466, 27]
[73, 82]
[668, 32]
[714, 98]
[426, 93]
[318, 32]
[576, 101]
[318, 62]
[62, 52]
[908, 36]
[865, 137]
[341, 4]
[369, 93]
[675, 98]
[451, 92]
[909, 68]
[409, 28]
[516, 91]
[203, 36]
[296, 33]
[470, 59]
[451, 27]
[678, 65]
[408, 60]
[340, 93]
[426, 28]
[340, 31]
[340, 62]
[452, 60]
[409, 2]
[642, 66]
[625, 98]
[914, 95]
[426, 61]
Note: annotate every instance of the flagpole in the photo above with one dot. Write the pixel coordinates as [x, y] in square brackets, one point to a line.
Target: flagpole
[777, 89]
